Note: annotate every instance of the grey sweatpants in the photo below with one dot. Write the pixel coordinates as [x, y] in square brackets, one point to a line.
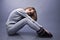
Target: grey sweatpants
[14, 27]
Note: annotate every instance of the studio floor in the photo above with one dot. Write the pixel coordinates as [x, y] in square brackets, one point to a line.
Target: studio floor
[27, 33]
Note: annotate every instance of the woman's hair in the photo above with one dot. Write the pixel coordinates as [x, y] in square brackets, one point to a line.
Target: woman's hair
[34, 16]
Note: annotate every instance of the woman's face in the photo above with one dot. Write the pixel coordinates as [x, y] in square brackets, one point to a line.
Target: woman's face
[29, 11]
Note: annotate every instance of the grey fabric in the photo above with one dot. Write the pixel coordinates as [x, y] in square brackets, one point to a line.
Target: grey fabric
[18, 19]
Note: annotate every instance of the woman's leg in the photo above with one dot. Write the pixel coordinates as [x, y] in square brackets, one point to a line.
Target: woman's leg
[37, 27]
[34, 25]
[13, 28]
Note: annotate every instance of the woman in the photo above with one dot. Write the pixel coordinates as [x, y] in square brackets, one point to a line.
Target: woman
[20, 17]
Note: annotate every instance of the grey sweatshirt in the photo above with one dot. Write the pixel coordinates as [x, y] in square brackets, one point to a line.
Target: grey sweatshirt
[14, 18]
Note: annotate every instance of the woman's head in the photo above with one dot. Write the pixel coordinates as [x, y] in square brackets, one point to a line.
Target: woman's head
[31, 11]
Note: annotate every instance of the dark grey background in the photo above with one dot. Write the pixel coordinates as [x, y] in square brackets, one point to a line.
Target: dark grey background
[48, 12]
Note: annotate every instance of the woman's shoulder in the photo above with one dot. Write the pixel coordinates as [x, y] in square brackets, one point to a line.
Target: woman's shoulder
[19, 9]
[15, 10]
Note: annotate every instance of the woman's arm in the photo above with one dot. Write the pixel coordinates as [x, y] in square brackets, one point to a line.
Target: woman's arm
[26, 15]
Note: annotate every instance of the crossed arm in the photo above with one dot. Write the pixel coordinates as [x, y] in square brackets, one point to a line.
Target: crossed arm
[26, 15]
